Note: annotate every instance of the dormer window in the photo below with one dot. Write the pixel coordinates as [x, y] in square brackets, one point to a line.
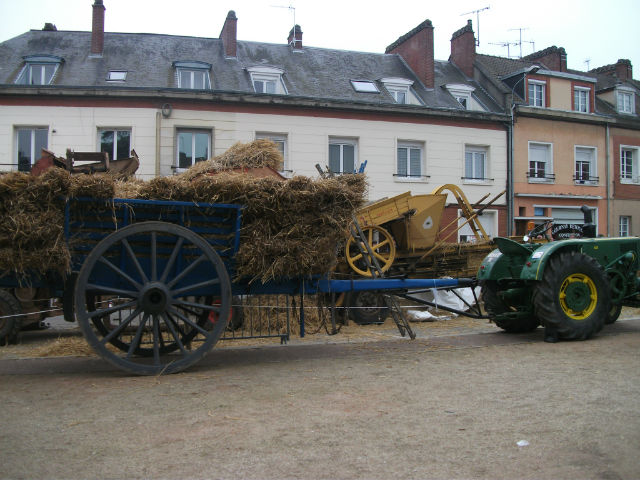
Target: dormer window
[267, 80]
[38, 70]
[581, 96]
[400, 90]
[463, 95]
[536, 91]
[193, 75]
[626, 101]
[364, 86]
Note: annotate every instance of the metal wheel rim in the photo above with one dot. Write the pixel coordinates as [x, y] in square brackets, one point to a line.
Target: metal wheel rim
[578, 296]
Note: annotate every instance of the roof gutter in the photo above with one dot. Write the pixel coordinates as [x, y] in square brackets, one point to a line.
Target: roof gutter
[162, 95]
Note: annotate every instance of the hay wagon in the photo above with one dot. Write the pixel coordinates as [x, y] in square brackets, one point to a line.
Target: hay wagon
[152, 281]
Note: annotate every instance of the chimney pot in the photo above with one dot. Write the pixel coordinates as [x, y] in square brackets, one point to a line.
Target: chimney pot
[97, 28]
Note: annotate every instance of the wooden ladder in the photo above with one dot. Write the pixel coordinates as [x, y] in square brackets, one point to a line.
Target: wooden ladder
[373, 266]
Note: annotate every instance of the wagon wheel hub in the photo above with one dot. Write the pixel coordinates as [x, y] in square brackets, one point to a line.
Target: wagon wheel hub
[155, 298]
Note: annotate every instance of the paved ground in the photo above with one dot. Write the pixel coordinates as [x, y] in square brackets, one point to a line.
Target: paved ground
[441, 406]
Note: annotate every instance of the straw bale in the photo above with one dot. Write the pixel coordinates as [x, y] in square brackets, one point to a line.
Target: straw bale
[256, 154]
[96, 185]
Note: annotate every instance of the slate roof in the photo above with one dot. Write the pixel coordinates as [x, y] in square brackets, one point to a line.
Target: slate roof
[315, 73]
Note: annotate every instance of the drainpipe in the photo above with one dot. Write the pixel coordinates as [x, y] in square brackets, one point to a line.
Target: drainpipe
[510, 193]
[158, 131]
[607, 161]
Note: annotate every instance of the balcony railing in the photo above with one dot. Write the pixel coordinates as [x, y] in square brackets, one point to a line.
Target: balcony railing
[585, 180]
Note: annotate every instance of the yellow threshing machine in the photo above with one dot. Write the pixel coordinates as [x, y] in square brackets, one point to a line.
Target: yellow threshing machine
[405, 235]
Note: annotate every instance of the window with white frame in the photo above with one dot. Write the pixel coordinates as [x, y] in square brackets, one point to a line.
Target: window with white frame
[626, 101]
[193, 75]
[581, 99]
[192, 146]
[624, 226]
[38, 70]
[537, 93]
[116, 142]
[409, 160]
[540, 163]
[488, 220]
[342, 155]
[364, 86]
[629, 164]
[281, 142]
[30, 141]
[267, 80]
[585, 163]
[400, 90]
[117, 76]
[475, 163]
[462, 93]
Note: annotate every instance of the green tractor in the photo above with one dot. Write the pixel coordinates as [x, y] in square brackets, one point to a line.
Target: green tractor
[571, 287]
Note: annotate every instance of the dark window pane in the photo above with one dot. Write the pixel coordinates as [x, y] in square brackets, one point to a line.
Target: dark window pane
[185, 153]
[198, 80]
[24, 150]
[402, 162]
[124, 144]
[185, 79]
[40, 142]
[201, 146]
[348, 159]
[334, 158]
[415, 167]
[106, 142]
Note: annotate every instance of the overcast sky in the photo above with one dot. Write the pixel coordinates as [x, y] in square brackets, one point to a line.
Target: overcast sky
[595, 31]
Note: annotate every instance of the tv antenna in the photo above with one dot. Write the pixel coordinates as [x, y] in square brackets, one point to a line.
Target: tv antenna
[520, 42]
[505, 44]
[293, 10]
[587, 61]
[477, 12]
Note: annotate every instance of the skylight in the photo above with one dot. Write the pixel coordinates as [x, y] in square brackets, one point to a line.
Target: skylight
[117, 76]
[364, 86]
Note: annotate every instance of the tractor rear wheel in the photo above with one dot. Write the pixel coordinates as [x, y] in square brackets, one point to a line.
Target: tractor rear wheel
[498, 309]
[573, 296]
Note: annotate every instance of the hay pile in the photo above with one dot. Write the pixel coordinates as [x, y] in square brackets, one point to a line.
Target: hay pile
[290, 228]
[32, 218]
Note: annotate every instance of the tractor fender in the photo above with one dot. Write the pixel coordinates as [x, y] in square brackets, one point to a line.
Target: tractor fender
[534, 266]
[505, 261]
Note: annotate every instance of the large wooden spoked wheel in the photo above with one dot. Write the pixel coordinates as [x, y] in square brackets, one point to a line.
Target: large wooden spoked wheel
[382, 245]
[159, 279]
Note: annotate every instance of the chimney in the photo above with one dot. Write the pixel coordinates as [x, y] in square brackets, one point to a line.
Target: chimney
[416, 48]
[97, 28]
[553, 58]
[49, 27]
[463, 49]
[229, 35]
[295, 37]
[624, 70]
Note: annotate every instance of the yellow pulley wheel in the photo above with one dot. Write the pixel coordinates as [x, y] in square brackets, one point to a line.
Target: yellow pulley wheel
[382, 245]
[578, 296]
